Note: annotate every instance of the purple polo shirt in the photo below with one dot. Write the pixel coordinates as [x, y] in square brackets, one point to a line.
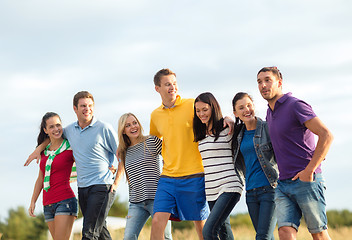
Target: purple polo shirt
[292, 142]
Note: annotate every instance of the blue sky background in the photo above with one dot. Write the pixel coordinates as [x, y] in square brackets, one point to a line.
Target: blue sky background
[49, 50]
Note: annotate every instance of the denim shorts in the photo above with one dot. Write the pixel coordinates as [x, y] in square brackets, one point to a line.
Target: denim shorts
[184, 198]
[294, 198]
[64, 207]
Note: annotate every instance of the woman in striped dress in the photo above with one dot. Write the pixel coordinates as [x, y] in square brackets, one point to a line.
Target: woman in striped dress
[223, 186]
[139, 156]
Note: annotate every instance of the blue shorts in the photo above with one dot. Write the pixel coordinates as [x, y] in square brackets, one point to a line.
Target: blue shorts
[64, 207]
[184, 198]
[294, 198]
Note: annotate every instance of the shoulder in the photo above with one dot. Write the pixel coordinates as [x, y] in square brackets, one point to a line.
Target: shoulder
[225, 131]
[70, 126]
[106, 132]
[289, 99]
[103, 125]
[301, 107]
[67, 154]
[294, 104]
[301, 110]
[301, 104]
[156, 113]
[187, 102]
[225, 134]
[151, 139]
[261, 122]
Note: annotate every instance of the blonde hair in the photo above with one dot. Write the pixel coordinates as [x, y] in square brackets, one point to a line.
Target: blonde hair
[124, 140]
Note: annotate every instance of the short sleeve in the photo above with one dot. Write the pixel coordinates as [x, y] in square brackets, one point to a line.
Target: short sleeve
[157, 144]
[303, 111]
[110, 138]
[153, 129]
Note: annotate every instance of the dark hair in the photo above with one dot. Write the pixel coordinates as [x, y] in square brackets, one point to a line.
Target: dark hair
[42, 135]
[81, 94]
[160, 73]
[238, 122]
[274, 70]
[216, 119]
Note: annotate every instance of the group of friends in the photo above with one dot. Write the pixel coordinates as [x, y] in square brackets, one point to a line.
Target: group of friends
[207, 161]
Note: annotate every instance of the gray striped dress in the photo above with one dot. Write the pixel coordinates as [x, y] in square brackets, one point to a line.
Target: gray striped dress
[143, 169]
[219, 169]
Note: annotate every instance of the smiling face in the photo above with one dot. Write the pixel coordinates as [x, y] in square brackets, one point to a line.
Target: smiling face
[132, 129]
[167, 89]
[84, 111]
[203, 112]
[244, 110]
[53, 128]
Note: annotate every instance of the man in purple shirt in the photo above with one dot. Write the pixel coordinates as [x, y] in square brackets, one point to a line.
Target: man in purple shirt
[292, 125]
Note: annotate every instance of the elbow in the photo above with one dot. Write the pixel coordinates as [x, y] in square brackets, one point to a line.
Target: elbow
[329, 137]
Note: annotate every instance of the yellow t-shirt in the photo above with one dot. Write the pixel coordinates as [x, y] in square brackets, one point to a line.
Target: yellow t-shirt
[175, 126]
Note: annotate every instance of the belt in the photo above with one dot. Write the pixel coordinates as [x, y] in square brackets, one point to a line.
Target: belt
[268, 187]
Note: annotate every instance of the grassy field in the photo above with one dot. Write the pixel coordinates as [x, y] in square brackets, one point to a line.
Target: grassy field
[240, 233]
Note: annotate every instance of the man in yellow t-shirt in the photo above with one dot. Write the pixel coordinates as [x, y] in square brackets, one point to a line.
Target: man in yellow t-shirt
[180, 192]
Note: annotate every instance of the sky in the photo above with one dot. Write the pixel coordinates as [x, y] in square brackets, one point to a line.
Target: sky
[49, 50]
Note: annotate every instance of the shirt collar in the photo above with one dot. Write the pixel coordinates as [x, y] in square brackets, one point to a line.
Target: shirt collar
[177, 102]
[94, 120]
[282, 99]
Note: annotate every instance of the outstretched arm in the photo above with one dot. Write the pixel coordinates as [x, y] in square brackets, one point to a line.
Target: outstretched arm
[230, 123]
[316, 126]
[36, 153]
[37, 189]
[119, 174]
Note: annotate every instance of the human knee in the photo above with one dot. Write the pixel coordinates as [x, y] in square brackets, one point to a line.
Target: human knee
[263, 236]
[130, 236]
[205, 233]
[287, 233]
[158, 225]
[321, 236]
[156, 220]
[208, 232]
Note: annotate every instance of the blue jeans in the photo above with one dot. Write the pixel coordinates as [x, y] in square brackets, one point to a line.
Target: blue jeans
[64, 207]
[218, 223]
[138, 214]
[261, 208]
[294, 198]
[95, 202]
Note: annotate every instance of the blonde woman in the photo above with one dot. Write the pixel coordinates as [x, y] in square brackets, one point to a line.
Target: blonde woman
[139, 156]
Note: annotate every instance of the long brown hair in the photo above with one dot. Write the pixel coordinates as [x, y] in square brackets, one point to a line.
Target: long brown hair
[42, 136]
[216, 119]
[238, 122]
